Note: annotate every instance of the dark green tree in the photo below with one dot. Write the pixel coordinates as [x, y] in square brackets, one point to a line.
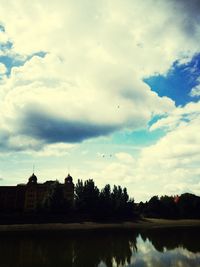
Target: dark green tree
[189, 206]
[154, 207]
[105, 202]
[122, 206]
[86, 196]
[79, 196]
[169, 207]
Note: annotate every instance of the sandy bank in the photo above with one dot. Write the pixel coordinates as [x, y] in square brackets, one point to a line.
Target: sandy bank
[142, 224]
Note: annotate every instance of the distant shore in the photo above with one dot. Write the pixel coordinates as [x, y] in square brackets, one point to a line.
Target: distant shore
[141, 224]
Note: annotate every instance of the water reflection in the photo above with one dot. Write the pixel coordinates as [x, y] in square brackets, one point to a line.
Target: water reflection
[168, 248]
[158, 248]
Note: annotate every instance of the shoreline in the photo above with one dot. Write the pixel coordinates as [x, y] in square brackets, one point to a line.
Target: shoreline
[139, 225]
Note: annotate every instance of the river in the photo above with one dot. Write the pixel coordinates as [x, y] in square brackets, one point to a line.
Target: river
[104, 248]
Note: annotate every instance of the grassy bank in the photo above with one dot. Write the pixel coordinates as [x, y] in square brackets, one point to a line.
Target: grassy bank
[141, 224]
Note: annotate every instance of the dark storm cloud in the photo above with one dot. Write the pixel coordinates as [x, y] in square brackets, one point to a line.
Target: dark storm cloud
[7, 146]
[191, 7]
[4, 136]
[47, 129]
[53, 129]
[189, 10]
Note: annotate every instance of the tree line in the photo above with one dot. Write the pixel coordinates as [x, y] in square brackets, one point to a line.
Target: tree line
[114, 203]
[185, 206]
[90, 202]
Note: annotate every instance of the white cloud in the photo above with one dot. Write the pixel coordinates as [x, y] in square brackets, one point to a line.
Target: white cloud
[125, 157]
[55, 150]
[2, 69]
[170, 166]
[98, 53]
[149, 253]
[41, 86]
[195, 92]
[178, 116]
[110, 32]
[97, 57]
[3, 37]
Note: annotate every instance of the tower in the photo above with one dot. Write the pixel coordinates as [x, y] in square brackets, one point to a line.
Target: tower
[68, 179]
[31, 194]
[32, 179]
[69, 189]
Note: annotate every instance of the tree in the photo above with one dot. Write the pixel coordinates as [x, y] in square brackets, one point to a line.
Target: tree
[54, 201]
[122, 206]
[86, 196]
[105, 204]
[79, 196]
[189, 206]
[154, 207]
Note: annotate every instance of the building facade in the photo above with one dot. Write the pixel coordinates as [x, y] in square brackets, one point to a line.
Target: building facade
[27, 197]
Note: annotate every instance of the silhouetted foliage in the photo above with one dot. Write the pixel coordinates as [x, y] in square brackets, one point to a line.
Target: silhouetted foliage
[112, 204]
[108, 204]
[104, 204]
[186, 206]
[189, 206]
[55, 202]
[86, 196]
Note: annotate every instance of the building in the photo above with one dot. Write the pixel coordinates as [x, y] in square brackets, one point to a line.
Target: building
[27, 197]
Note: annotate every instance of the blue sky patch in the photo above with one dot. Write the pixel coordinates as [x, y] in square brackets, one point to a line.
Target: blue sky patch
[138, 138]
[178, 82]
[11, 61]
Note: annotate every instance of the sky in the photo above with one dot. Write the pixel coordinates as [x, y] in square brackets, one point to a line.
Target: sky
[105, 89]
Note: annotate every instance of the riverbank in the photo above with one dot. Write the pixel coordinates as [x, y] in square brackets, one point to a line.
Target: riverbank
[141, 224]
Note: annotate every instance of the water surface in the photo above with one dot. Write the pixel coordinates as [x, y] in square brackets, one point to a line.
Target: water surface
[152, 248]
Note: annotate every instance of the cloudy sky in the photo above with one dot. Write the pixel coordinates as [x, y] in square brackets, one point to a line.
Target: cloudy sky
[103, 89]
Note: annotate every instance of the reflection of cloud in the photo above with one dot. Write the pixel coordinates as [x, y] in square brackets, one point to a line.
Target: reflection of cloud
[149, 257]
